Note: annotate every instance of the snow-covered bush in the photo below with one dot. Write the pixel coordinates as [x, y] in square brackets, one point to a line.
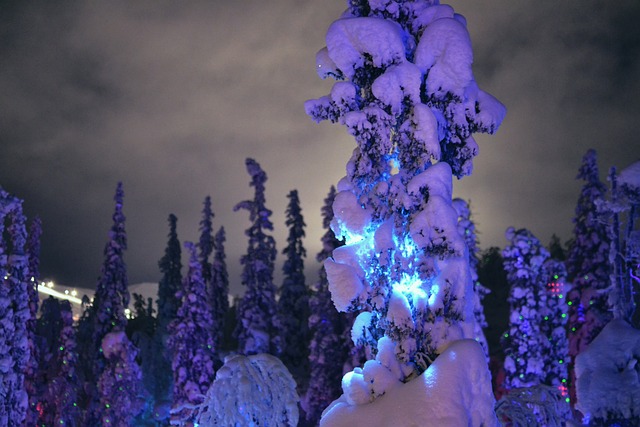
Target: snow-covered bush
[534, 406]
[608, 376]
[255, 390]
[406, 93]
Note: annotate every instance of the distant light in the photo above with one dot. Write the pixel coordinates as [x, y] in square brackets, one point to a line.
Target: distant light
[46, 289]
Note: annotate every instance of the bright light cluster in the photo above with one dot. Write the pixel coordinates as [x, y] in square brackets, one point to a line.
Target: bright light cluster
[70, 295]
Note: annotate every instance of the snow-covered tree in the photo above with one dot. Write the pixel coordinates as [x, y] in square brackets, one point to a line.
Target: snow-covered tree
[588, 264]
[206, 242]
[48, 330]
[293, 304]
[31, 373]
[168, 303]
[327, 349]
[255, 329]
[14, 311]
[467, 229]
[120, 383]
[624, 254]
[553, 327]
[219, 290]
[524, 345]
[62, 392]
[608, 384]
[191, 343]
[251, 391]
[406, 92]
[106, 314]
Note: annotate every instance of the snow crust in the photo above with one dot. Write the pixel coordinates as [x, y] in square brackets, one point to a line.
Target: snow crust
[454, 391]
[608, 374]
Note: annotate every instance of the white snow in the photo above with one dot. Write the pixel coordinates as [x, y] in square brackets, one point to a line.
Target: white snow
[437, 179]
[444, 53]
[326, 66]
[113, 343]
[430, 14]
[349, 38]
[425, 129]
[253, 390]
[396, 83]
[608, 373]
[630, 176]
[345, 284]
[454, 391]
[349, 216]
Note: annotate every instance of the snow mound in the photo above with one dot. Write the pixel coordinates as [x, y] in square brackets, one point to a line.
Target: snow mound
[608, 384]
[254, 390]
[630, 176]
[444, 54]
[454, 391]
[349, 39]
[113, 343]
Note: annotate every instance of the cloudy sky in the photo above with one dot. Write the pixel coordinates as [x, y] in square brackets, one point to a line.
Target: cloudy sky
[171, 97]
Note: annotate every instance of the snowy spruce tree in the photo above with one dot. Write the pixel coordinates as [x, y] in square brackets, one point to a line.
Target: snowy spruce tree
[525, 346]
[255, 329]
[467, 229]
[14, 311]
[62, 391]
[219, 293]
[206, 243]
[122, 396]
[327, 349]
[624, 255]
[293, 304]
[168, 303]
[106, 315]
[31, 373]
[191, 344]
[553, 327]
[588, 264]
[405, 91]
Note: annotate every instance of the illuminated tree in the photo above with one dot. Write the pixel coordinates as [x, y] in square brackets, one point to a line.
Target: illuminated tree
[191, 343]
[406, 92]
[219, 290]
[14, 311]
[553, 327]
[327, 349]
[255, 328]
[293, 305]
[524, 344]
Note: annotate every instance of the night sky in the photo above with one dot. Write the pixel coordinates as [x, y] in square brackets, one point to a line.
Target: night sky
[171, 97]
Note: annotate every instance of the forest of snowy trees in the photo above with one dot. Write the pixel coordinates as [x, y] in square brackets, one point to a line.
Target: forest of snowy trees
[408, 318]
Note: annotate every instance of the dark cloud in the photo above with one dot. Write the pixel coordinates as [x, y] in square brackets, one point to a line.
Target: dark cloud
[171, 98]
[567, 73]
